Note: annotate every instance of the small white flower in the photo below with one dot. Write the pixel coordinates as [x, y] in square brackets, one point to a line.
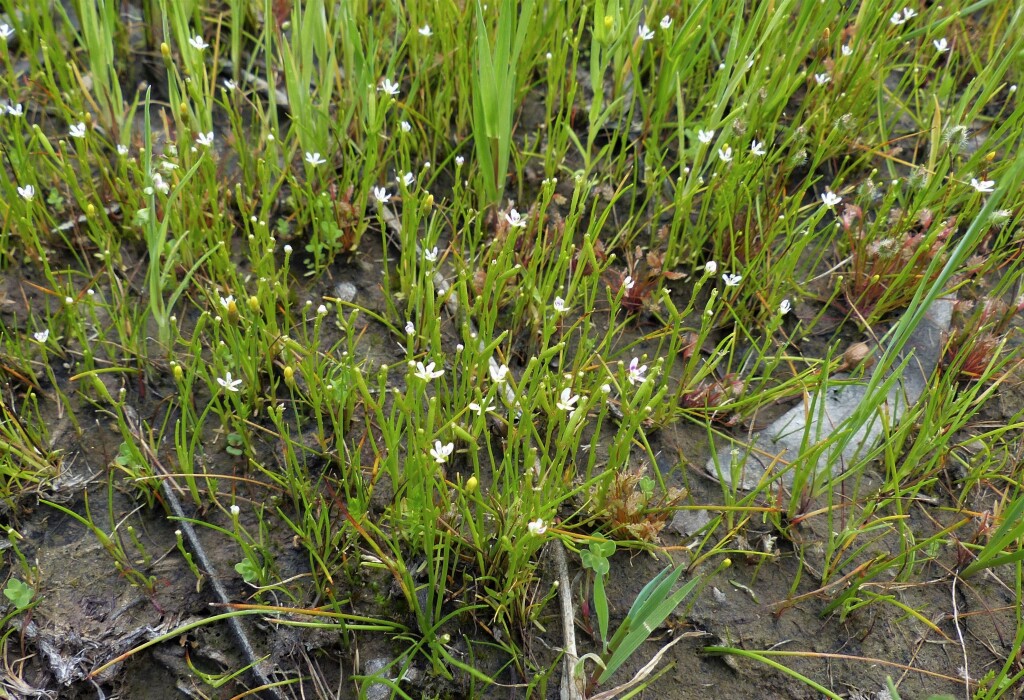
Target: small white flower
[122, 149]
[205, 139]
[628, 283]
[226, 301]
[908, 13]
[710, 268]
[725, 153]
[705, 136]
[515, 219]
[228, 383]
[785, 307]
[42, 336]
[77, 130]
[406, 127]
[567, 400]
[757, 147]
[27, 192]
[427, 373]
[459, 160]
[830, 198]
[410, 328]
[499, 373]
[15, 110]
[645, 32]
[430, 255]
[481, 408]
[425, 30]
[160, 184]
[440, 452]
[6, 31]
[847, 50]
[666, 22]
[314, 158]
[941, 45]
[536, 527]
[983, 186]
[636, 373]
[197, 43]
[381, 195]
[408, 179]
[321, 310]
[822, 78]
[559, 305]
[389, 87]
[229, 84]
[731, 280]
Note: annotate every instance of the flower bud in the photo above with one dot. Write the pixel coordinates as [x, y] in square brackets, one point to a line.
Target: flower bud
[471, 485]
[179, 373]
[165, 50]
[254, 302]
[289, 376]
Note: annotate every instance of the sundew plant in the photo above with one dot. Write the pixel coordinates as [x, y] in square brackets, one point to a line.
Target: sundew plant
[431, 349]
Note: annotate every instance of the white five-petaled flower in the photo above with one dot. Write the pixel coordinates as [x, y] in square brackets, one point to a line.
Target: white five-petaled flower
[427, 373]
[15, 110]
[197, 43]
[235, 510]
[645, 32]
[314, 158]
[122, 149]
[666, 22]
[425, 30]
[408, 179]
[725, 153]
[42, 336]
[480, 408]
[536, 527]
[846, 50]
[6, 31]
[406, 126]
[229, 84]
[567, 400]
[983, 186]
[515, 219]
[710, 268]
[785, 307]
[908, 13]
[636, 371]
[440, 452]
[628, 283]
[389, 87]
[381, 195]
[830, 198]
[77, 130]
[941, 45]
[731, 280]
[205, 139]
[705, 136]
[27, 192]
[822, 78]
[410, 328]
[226, 301]
[430, 254]
[499, 373]
[228, 383]
[459, 160]
[559, 305]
